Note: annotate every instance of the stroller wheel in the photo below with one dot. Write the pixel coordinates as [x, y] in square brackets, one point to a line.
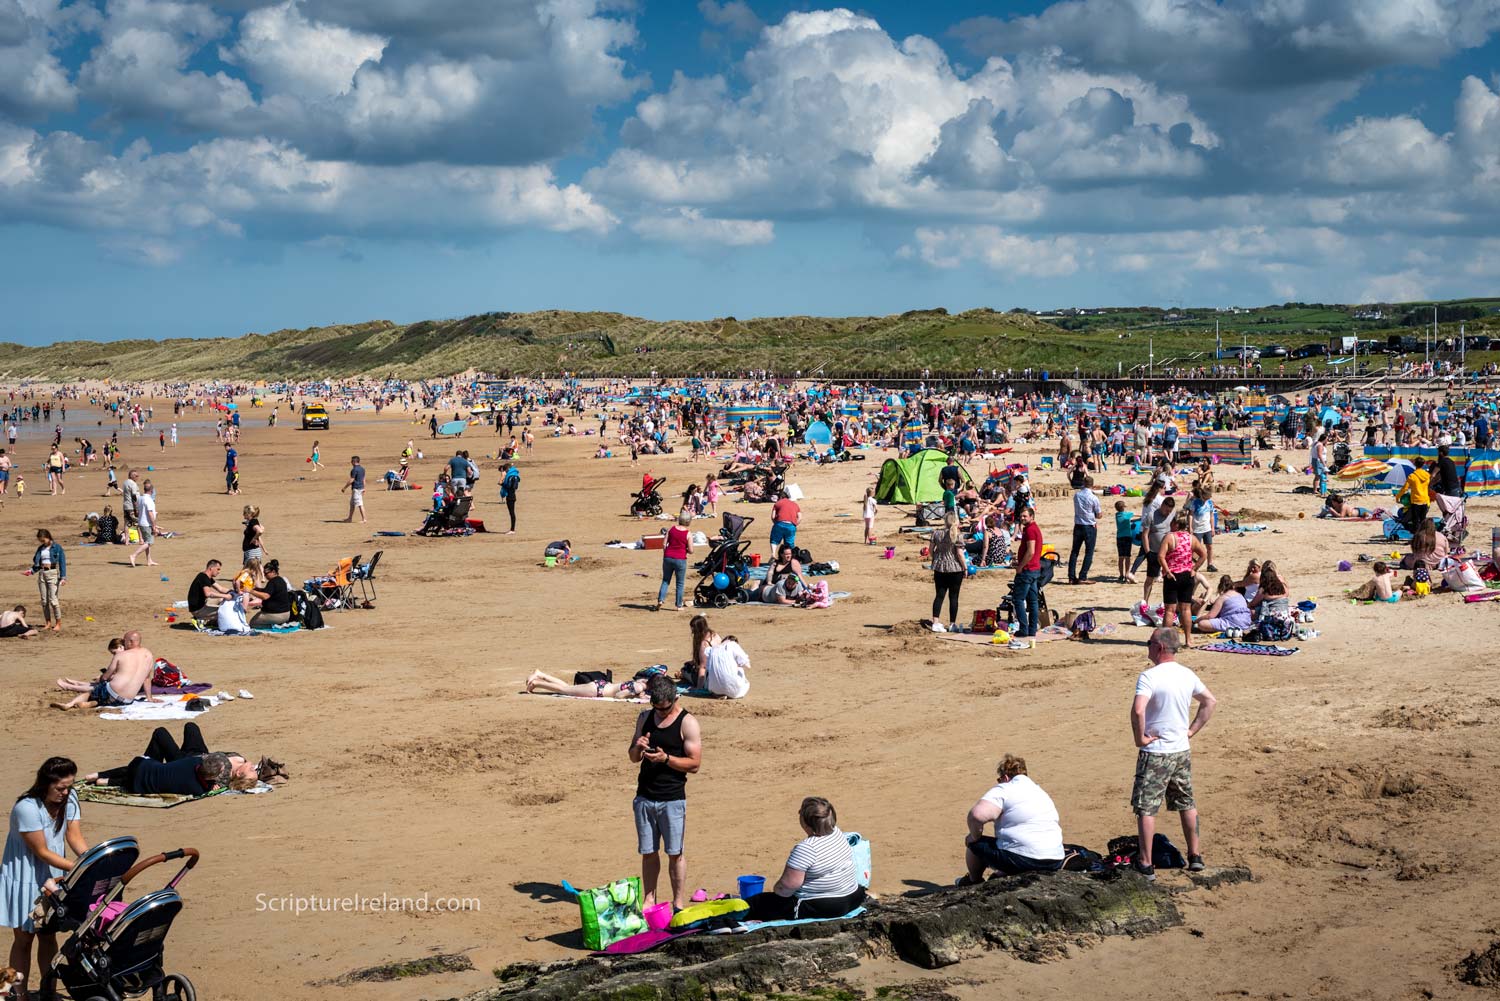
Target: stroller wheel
[741, 596]
[177, 988]
[721, 600]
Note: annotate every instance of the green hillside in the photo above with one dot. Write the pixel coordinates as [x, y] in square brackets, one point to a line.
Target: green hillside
[1095, 342]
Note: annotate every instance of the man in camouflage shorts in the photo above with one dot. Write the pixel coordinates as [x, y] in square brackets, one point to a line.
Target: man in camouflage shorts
[1164, 766]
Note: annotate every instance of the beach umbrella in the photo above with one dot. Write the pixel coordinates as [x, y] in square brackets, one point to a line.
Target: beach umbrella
[1363, 469]
[1241, 389]
[1400, 470]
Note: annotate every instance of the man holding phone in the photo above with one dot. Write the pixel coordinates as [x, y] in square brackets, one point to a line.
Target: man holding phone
[669, 747]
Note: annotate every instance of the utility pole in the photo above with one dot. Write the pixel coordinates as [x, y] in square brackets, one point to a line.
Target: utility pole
[1151, 358]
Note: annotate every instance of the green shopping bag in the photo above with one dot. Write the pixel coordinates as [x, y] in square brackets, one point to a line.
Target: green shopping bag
[611, 912]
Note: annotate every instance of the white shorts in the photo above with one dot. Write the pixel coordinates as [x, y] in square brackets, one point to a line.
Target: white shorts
[357, 497]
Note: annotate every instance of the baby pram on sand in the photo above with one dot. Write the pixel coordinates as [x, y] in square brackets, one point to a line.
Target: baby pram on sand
[116, 950]
[646, 502]
[725, 564]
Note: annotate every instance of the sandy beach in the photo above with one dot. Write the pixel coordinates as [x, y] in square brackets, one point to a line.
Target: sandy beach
[1354, 778]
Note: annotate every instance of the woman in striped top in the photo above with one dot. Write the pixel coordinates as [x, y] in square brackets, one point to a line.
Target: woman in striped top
[820, 879]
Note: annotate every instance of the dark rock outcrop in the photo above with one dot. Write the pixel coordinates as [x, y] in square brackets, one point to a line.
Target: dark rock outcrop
[1032, 916]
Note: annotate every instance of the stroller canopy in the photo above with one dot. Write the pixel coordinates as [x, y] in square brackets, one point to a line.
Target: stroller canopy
[914, 479]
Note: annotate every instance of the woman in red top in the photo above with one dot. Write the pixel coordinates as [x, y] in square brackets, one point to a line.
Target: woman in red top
[674, 557]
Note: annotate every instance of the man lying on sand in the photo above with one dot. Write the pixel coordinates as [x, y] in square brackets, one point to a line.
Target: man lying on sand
[127, 677]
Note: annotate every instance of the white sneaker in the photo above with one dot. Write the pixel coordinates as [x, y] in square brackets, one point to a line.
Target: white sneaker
[245, 695]
[226, 696]
[937, 627]
[1018, 644]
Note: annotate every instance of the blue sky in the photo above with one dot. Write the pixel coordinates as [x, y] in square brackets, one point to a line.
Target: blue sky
[181, 168]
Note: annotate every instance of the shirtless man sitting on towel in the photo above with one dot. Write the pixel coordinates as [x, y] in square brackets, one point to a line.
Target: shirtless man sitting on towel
[127, 676]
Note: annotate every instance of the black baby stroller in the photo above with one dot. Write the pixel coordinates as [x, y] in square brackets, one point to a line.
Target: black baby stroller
[647, 503]
[116, 949]
[725, 564]
[1006, 611]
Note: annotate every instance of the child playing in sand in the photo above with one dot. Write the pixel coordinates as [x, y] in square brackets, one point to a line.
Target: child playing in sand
[1381, 587]
[869, 516]
[712, 492]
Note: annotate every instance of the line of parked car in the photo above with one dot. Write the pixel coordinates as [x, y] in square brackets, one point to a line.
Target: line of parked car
[1395, 344]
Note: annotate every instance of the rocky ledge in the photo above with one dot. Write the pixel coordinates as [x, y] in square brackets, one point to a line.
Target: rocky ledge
[1035, 917]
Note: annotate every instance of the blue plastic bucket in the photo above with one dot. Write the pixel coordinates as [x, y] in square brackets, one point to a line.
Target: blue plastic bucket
[751, 885]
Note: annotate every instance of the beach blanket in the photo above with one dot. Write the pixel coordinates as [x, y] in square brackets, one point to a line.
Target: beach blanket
[1255, 649]
[114, 796]
[191, 688]
[648, 940]
[745, 927]
[1243, 529]
[1043, 635]
[155, 711]
[623, 545]
[288, 627]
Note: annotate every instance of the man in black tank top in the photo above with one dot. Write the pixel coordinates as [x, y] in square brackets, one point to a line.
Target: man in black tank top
[668, 746]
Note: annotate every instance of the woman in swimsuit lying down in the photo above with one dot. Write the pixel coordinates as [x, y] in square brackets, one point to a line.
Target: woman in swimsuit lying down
[1339, 508]
[546, 684]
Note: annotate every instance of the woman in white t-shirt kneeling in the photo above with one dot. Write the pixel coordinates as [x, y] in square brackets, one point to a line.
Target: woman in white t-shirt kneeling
[725, 662]
[820, 879]
[1028, 836]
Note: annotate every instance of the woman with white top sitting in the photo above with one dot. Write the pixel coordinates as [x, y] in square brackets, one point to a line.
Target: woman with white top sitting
[820, 879]
[1028, 836]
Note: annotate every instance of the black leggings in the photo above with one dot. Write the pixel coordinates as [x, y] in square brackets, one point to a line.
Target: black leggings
[770, 907]
[510, 506]
[949, 584]
[162, 747]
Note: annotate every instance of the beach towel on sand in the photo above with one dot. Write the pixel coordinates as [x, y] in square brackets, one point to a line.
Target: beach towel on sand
[113, 796]
[1256, 649]
[157, 711]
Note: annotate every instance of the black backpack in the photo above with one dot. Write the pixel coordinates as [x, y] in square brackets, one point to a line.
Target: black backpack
[1164, 854]
[311, 616]
[802, 556]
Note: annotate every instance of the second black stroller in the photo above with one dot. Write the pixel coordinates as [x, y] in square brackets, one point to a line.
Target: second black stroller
[646, 503]
[725, 571]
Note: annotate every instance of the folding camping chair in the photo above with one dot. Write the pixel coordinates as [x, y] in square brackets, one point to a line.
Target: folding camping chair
[365, 576]
[334, 589]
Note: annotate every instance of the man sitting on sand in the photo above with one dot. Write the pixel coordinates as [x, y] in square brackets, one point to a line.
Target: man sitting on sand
[127, 677]
[205, 593]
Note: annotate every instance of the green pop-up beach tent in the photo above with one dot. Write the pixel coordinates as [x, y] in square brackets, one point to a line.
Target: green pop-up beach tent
[914, 479]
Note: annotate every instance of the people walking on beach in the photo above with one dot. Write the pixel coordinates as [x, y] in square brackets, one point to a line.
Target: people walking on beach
[146, 523]
[356, 485]
[231, 469]
[668, 745]
[510, 483]
[674, 559]
[1162, 730]
[313, 458]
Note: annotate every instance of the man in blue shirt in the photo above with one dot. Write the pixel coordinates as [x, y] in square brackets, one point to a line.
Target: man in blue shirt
[1086, 511]
[357, 485]
[458, 471]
